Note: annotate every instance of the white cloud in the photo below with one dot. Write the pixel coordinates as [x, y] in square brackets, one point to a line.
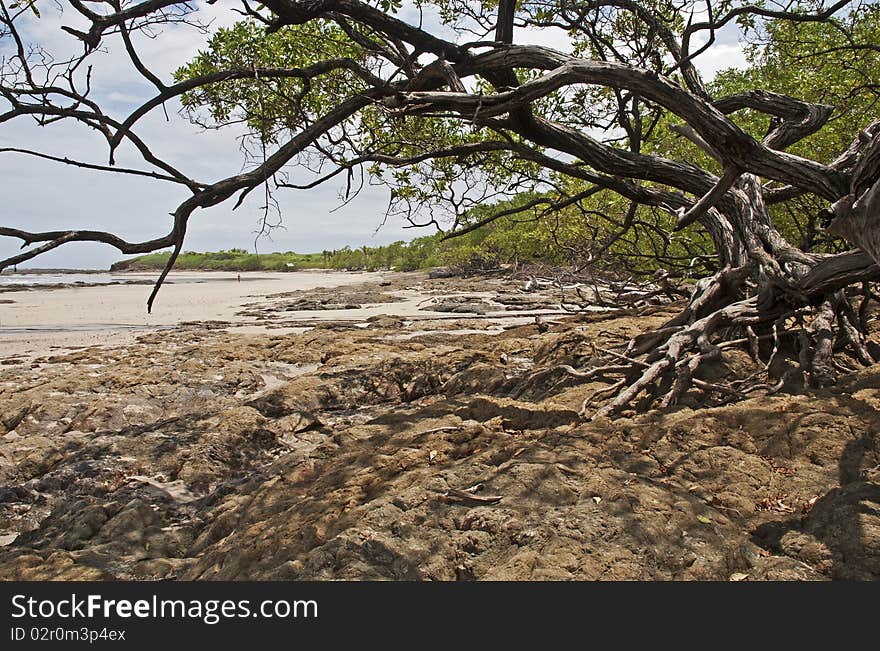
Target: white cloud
[726, 51]
[720, 57]
[552, 38]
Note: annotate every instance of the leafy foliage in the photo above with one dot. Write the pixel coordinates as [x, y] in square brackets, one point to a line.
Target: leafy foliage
[815, 62]
[268, 105]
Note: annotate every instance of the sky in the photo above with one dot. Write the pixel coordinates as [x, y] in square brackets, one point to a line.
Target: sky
[41, 195]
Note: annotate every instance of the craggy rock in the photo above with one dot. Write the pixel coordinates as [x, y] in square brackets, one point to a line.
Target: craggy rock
[519, 302]
[347, 298]
[460, 305]
[353, 453]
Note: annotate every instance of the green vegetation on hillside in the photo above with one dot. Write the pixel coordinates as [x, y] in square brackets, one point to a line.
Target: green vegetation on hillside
[525, 237]
[231, 260]
[400, 256]
[563, 237]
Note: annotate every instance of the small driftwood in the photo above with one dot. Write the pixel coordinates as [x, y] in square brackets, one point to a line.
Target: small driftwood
[468, 496]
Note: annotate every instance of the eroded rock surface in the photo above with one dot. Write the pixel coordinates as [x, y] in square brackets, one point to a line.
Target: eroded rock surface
[349, 453]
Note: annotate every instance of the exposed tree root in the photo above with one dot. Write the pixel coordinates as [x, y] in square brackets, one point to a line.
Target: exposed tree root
[664, 363]
[675, 361]
[805, 337]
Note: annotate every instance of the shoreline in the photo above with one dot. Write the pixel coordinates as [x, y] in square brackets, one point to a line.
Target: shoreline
[45, 318]
[36, 271]
[149, 275]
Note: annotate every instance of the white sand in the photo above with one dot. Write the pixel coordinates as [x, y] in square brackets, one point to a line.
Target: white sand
[45, 320]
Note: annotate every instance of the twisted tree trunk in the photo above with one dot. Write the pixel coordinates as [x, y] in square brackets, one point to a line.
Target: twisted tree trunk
[764, 283]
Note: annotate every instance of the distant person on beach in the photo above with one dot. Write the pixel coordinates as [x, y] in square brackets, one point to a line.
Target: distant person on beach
[239, 277]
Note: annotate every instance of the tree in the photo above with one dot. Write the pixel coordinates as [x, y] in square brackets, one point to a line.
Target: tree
[461, 115]
[818, 63]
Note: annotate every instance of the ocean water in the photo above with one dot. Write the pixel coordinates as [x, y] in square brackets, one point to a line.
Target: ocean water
[30, 280]
[19, 280]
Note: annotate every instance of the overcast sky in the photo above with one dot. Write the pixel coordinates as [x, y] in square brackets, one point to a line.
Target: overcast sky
[40, 195]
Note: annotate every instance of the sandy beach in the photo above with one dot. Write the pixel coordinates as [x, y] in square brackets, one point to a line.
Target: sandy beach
[42, 319]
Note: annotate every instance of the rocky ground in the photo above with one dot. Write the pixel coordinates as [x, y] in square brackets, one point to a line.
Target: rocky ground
[393, 448]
